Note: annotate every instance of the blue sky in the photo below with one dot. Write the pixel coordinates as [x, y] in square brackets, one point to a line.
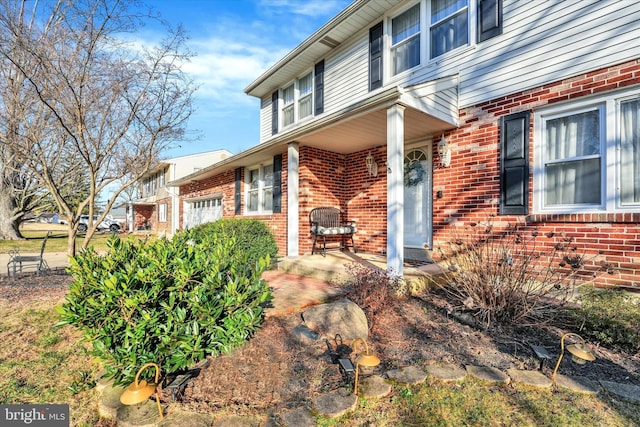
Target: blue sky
[235, 41]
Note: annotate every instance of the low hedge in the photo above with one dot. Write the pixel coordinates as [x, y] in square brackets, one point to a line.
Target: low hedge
[169, 301]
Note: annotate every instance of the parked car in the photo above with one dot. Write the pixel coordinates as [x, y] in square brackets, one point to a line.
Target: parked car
[106, 224]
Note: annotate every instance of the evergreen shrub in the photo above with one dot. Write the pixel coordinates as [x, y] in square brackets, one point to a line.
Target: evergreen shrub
[167, 301]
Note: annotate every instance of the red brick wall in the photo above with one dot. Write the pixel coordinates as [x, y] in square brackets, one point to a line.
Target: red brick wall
[225, 183]
[471, 185]
[143, 214]
[163, 227]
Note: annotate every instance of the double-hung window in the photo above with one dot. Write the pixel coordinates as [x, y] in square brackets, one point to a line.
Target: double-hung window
[405, 40]
[449, 27]
[297, 100]
[588, 157]
[305, 96]
[288, 105]
[162, 212]
[260, 189]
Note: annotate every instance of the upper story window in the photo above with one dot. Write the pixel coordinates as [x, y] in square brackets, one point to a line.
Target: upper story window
[297, 100]
[588, 157]
[405, 40]
[260, 189]
[449, 27]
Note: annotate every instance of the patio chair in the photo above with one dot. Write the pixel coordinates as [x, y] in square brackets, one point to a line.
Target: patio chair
[17, 262]
[328, 221]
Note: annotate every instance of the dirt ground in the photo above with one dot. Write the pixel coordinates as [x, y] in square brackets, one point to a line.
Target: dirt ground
[272, 372]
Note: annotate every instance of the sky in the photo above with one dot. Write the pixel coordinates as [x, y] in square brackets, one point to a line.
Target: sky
[234, 42]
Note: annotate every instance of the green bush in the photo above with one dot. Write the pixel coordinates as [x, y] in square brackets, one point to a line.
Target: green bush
[252, 236]
[171, 302]
[610, 316]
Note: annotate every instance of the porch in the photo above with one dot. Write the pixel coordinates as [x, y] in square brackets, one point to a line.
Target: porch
[419, 272]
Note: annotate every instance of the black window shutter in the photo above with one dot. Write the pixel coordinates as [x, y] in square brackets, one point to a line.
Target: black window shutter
[277, 183]
[274, 113]
[375, 56]
[238, 194]
[319, 87]
[489, 19]
[514, 164]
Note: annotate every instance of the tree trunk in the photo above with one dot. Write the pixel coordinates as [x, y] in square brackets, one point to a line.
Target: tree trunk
[9, 225]
[71, 242]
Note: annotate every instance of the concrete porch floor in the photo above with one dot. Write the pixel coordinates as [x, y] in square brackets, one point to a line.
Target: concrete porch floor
[331, 268]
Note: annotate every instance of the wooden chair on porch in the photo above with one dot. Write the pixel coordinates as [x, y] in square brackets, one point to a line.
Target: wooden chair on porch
[17, 262]
[329, 221]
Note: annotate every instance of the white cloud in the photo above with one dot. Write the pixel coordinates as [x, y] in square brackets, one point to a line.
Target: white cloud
[311, 8]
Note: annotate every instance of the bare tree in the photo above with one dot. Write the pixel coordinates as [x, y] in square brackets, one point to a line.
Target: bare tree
[105, 108]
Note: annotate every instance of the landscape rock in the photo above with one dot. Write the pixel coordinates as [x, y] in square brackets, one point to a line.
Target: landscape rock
[577, 384]
[336, 403]
[374, 386]
[300, 417]
[530, 378]
[343, 317]
[407, 375]
[305, 336]
[487, 373]
[447, 372]
[626, 391]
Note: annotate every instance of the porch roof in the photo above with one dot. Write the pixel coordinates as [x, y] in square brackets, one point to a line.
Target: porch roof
[431, 108]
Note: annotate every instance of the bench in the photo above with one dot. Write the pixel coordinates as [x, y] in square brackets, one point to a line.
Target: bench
[17, 262]
[327, 222]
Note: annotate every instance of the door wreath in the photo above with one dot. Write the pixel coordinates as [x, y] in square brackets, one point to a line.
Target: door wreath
[413, 174]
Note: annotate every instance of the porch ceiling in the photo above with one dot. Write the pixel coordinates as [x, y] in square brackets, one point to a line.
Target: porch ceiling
[370, 130]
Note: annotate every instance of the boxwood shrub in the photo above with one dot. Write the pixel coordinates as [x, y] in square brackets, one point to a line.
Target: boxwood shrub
[167, 301]
[252, 236]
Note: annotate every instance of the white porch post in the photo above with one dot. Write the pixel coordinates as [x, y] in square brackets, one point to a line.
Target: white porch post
[293, 176]
[395, 190]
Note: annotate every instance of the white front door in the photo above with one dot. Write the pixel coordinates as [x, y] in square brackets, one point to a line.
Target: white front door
[417, 199]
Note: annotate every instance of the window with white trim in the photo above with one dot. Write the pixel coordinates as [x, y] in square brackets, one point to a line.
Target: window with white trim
[405, 40]
[588, 156]
[297, 100]
[163, 211]
[449, 26]
[260, 189]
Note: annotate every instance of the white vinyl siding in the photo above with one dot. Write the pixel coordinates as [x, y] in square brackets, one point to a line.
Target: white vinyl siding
[587, 155]
[584, 35]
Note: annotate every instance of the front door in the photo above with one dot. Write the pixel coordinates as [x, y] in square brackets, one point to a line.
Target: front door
[417, 200]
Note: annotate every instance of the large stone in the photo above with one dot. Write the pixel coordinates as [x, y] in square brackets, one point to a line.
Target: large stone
[447, 372]
[305, 336]
[145, 414]
[626, 391]
[110, 401]
[342, 317]
[529, 378]
[300, 417]
[374, 386]
[577, 384]
[336, 403]
[407, 375]
[488, 373]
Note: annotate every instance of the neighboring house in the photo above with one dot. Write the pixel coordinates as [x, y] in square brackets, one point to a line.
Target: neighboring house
[417, 116]
[157, 209]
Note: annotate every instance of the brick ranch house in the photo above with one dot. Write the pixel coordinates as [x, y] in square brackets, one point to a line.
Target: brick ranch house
[417, 116]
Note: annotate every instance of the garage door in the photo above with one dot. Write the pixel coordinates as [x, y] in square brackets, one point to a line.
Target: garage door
[202, 211]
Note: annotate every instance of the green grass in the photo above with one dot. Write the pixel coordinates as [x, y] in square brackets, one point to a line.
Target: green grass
[57, 241]
[475, 403]
[43, 364]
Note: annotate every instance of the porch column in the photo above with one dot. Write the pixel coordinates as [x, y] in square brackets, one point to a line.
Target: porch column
[395, 190]
[293, 167]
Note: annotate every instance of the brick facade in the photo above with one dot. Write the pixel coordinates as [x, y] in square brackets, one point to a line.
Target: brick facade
[471, 185]
[468, 190]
